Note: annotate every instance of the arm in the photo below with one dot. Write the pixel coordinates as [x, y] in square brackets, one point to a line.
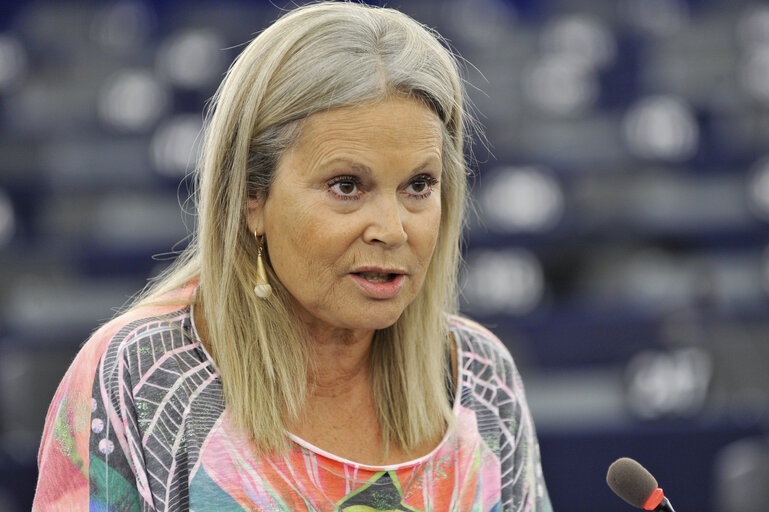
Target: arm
[496, 396]
[74, 474]
[522, 476]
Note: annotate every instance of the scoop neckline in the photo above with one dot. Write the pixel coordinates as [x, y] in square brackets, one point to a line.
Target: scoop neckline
[328, 455]
[400, 465]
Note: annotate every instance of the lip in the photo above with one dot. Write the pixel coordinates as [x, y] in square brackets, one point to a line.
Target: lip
[380, 291]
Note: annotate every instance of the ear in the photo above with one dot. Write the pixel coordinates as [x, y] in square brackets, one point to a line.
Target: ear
[255, 214]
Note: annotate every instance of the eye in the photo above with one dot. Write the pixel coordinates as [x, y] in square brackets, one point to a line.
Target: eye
[421, 186]
[345, 187]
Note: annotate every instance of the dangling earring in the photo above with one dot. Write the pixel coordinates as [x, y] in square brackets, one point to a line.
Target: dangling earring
[262, 288]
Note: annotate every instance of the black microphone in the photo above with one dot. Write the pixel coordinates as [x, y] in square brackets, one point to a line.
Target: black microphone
[630, 481]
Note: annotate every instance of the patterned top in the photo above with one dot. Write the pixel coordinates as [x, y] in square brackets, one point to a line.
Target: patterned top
[139, 423]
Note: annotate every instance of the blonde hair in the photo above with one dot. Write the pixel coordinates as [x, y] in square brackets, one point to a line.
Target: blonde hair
[314, 58]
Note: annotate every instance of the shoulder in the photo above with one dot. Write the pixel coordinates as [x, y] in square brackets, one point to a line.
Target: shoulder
[113, 336]
[141, 330]
[137, 321]
[483, 358]
[476, 341]
[64, 453]
[134, 343]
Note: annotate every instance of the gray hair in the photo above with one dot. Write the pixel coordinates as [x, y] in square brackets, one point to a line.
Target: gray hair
[316, 58]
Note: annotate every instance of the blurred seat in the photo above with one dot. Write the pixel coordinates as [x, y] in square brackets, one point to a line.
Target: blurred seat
[742, 476]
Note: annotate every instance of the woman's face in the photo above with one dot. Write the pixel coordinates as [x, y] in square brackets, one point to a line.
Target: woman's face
[352, 217]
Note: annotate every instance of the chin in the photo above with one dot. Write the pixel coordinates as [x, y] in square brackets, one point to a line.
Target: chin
[377, 324]
[370, 320]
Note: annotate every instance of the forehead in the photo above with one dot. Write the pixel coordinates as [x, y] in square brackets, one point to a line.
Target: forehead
[394, 124]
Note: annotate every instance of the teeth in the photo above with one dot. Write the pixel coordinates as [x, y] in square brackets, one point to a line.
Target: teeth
[376, 277]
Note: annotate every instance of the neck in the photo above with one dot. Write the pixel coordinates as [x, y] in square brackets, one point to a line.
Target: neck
[341, 360]
[340, 356]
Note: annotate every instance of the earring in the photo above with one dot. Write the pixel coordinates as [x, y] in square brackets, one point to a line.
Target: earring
[262, 288]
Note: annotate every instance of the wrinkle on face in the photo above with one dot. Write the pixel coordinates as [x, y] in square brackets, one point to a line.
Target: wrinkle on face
[315, 240]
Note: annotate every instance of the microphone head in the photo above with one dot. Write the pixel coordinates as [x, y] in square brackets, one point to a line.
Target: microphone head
[630, 481]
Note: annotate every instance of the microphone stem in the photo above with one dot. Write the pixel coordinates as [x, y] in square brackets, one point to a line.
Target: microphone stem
[664, 506]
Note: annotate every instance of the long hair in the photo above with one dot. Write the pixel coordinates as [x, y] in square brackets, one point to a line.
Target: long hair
[315, 58]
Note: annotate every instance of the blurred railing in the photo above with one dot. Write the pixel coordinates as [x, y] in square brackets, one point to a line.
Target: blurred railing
[621, 246]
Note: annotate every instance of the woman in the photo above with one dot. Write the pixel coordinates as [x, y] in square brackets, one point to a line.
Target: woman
[300, 354]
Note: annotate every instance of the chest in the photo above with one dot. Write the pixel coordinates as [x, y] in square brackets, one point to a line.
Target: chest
[350, 429]
[212, 465]
[459, 474]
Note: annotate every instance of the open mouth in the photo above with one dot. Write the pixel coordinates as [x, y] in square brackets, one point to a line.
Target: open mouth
[377, 277]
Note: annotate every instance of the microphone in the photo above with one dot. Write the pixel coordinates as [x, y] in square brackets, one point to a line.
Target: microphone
[630, 481]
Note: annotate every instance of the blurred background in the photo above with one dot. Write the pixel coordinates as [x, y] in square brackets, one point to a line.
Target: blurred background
[620, 250]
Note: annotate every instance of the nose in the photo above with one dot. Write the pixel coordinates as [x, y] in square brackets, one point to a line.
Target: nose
[385, 223]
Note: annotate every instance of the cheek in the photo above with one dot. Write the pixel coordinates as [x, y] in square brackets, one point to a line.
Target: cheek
[425, 233]
[303, 246]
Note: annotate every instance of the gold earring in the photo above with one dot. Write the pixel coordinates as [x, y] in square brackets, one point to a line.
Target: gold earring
[262, 288]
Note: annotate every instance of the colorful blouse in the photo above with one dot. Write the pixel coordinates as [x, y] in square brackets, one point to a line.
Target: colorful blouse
[139, 422]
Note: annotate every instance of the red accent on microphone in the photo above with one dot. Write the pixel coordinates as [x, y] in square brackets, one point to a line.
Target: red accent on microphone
[654, 499]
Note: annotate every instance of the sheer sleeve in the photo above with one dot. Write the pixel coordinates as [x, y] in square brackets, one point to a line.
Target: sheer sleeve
[493, 390]
[85, 461]
[524, 482]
